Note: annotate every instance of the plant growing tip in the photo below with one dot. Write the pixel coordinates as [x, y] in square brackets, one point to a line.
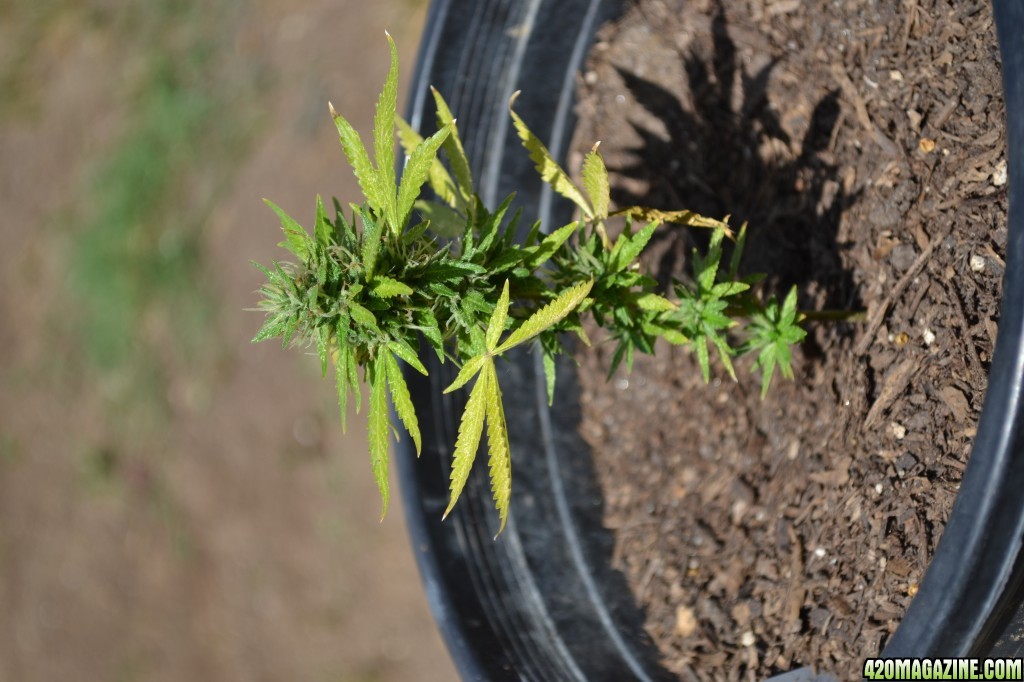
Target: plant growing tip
[405, 271]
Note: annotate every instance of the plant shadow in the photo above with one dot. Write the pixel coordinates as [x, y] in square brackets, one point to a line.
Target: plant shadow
[723, 158]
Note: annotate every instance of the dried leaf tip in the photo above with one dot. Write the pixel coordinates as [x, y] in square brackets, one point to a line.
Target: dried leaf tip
[334, 114]
[513, 98]
[596, 145]
[386, 33]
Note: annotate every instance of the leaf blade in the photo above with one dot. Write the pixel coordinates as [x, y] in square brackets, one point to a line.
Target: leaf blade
[378, 430]
[358, 158]
[470, 429]
[402, 401]
[549, 170]
[497, 323]
[417, 170]
[384, 135]
[547, 316]
[595, 182]
[499, 459]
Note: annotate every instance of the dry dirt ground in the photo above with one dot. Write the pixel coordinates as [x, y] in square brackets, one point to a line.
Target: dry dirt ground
[234, 536]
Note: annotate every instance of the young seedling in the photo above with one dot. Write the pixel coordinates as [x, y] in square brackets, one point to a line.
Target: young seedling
[404, 265]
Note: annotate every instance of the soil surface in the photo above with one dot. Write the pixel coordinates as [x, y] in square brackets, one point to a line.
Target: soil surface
[864, 142]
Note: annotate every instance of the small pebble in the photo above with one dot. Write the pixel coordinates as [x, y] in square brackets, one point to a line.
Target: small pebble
[686, 621]
[977, 263]
[999, 176]
[928, 336]
[878, 488]
[926, 145]
[748, 639]
[820, 552]
[899, 431]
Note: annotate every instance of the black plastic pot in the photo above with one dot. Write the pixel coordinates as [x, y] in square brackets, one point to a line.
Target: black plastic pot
[542, 602]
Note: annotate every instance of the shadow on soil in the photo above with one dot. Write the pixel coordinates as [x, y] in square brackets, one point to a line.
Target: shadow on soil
[721, 159]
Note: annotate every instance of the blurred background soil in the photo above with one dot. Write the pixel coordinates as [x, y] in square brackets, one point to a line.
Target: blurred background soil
[175, 503]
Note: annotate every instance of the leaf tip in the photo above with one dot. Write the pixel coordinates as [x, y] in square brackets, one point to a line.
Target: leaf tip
[334, 112]
[513, 98]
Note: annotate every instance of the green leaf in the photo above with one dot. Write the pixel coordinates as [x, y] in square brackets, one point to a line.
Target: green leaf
[386, 287]
[372, 237]
[363, 316]
[470, 429]
[788, 315]
[453, 148]
[384, 136]
[296, 239]
[273, 326]
[701, 346]
[406, 353]
[323, 334]
[595, 182]
[444, 221]
[706, 267]
[766, 361]
[322, 229]
[550, 245]
[547, 316]
[549, 376]
[402, 401]
[737, 253]
[550, 171]
[342, 359]
[439, 179]
[370, 183]
[378, 429]
[468, 371]
[497, 324]
[726, 289]
[417, 169]
[341, 381]
[654, 303]
[499, 455]
[624, 255]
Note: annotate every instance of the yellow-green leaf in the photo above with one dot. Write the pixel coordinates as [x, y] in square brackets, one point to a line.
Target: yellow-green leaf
[362, 316]
[378, 430]
[547, 316]
[497, 324]
[417, 169]
[406, 353]
[595, 182]
[655, 303]
[499, 455]
[439, 178]
[296, 239]
[551, 243]
[550, 171]
[470, 429]
[388, 287]
[384, 135]
[469, 369]
[359, 159]
[402, 401]
[453, 148]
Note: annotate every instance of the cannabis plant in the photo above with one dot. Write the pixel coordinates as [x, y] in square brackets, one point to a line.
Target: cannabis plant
[367, 283]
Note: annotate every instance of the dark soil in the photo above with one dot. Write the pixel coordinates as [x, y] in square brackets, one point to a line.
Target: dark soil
[864, 142]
